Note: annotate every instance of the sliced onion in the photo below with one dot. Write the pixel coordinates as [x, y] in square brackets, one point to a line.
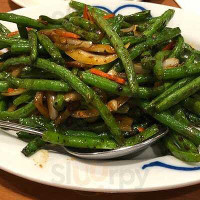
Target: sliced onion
[115, 104]
[15, 92]
[129, 29]
[89, 58]
[125, 123]
[139, 69]
[12, 108]
[62, 117]
[16, 71]
[77, 64]
[68, 46]
[98, 48]
[170, 63]
[53, 113]
[39, 104]
[112, 105]
[72, 96]
[112, 72]
[85, 113]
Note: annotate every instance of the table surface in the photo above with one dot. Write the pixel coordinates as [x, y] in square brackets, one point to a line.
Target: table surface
[13, 187]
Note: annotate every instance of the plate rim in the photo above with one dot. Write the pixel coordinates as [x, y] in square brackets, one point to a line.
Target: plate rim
[81, 188]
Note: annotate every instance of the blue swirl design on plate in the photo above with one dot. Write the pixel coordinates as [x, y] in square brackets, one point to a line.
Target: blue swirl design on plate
[164, 165]
[121, 8]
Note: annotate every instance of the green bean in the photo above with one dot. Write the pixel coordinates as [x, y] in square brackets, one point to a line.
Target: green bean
[33, 146]
[115, 88]
[149, 132]
[4, 85]
[22, 31]
[83, 133]
[191, 49]
[96, 128]
[180, 115]
[83, 23]
[127, 39]
[50, 20]
[138, 17]
[169, 120]
[144, 78]
[190, 60]
[104, 68]
[88, 94]
[184, 156]
[75, 71]
[179, 95]
[3, 46]
[193, 118]
[73, 14]
[23, 60]
[159, 38]
[25, 136]
[148, 63]
[192, 104]
[34, 73]
[117, 67]
[159, 23]
[3, 105]
[51, 48]
[178, 48]
[78, 141]
[10, 40]
[33, 43]
[170, 90]
[116, 23]
[25, 48]
[4, 30]
[121, 51]
[21, 112]
[38, 122]
[59, 102]
[126, 24]
[24, 98]
[80, 7]
[90, 36]
[184, 143]
[182, 71]
[21, 20]
[37, 84]
[133, 39]
[135, 127]
[158, 68]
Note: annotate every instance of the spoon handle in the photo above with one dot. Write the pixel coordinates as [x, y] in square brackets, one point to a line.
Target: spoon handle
[18, 127]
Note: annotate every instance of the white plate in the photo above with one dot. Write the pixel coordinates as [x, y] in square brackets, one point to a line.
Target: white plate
[149, 171]
[28, 3]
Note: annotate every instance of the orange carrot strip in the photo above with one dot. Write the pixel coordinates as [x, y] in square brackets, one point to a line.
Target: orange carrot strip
[169, 46]
[108, 76]
[109, 16]
[12, 33]
[141, 129]
[10, 90]
[85, 12]
[66, 34]
[16, 32]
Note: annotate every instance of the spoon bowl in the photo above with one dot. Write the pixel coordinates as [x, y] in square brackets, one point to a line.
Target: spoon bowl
[116, 153]
[95, 155]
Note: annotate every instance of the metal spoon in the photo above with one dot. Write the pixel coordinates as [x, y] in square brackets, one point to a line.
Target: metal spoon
[97, 155]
